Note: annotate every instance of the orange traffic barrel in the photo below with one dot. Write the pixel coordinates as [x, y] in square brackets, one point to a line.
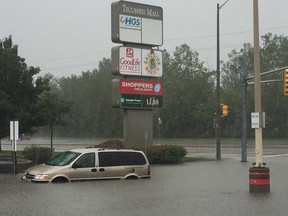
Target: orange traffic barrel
[259, 180]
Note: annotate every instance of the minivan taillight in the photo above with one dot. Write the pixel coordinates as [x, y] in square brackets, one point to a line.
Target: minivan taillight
[149, 170]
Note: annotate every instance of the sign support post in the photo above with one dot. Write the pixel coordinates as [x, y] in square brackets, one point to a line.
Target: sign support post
[14, 136]
[139, 27]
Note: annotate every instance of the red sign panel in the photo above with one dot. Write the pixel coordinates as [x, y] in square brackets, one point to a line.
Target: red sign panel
[140, 87]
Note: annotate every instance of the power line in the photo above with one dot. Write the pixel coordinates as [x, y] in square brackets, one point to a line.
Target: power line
[70, 57]
[171, 39]
[227, 34]
[71, 66]
[168, 39]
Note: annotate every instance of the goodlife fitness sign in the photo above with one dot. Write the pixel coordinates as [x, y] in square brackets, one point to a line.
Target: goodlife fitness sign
[136, 62]
[140, 87]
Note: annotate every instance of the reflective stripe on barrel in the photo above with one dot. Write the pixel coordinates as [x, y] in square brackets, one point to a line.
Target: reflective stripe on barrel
[259, 181]
[259, 178]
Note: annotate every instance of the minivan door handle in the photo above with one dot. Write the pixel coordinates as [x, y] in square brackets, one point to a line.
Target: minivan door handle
[94, 170]
[101, 169]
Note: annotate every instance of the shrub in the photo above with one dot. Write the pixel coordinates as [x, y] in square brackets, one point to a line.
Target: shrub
[113, 143]
[166, 154]
[38, 154]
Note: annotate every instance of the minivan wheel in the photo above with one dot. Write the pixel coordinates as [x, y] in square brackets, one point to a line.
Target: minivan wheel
[60, 180]
[131, 177]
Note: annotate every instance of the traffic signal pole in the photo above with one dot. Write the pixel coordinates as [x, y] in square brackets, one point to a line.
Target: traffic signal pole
[245, 82]
[244, 122]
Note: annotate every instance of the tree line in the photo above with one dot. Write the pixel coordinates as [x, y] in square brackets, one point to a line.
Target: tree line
[80, 106]
[25, 98]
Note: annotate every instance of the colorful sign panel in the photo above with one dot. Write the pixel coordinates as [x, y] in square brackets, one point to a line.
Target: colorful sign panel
[130, 101]
[136, 23]
[128, 61]
[137, 62]
[143, 87]
[144, 94]
[141, 101]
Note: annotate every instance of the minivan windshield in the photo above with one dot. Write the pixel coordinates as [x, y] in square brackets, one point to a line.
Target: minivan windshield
[63, 158]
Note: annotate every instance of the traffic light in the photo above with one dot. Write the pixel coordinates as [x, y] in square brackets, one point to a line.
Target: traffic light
[285, 82]
[224, 110]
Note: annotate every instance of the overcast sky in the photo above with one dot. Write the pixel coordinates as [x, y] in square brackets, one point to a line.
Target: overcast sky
[65, 37]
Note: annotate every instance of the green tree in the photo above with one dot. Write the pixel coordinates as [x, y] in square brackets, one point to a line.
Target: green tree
[274, 54]
[18, 90]
[92, 113]
[233, 73]
[188, 87]
[53, 111]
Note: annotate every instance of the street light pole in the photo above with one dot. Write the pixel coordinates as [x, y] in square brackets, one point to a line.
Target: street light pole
[217, 131]
[218, 112]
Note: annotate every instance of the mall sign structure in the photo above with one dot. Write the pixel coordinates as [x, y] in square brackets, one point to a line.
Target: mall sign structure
[138, 65]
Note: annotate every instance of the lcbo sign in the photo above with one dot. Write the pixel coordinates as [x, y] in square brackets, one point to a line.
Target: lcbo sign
[136, 62]
[140, 101]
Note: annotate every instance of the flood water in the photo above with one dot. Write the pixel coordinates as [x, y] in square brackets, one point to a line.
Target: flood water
[199, 188]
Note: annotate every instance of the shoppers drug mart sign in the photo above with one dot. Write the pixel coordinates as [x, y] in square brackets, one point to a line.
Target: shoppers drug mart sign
[140, 87]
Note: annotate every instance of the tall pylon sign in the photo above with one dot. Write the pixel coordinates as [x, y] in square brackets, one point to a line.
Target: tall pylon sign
[138, 65]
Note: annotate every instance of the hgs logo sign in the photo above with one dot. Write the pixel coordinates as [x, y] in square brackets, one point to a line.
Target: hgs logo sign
[130, 22]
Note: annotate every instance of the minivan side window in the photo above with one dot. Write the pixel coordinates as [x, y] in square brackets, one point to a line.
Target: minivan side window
[120, 159]
[86, 160]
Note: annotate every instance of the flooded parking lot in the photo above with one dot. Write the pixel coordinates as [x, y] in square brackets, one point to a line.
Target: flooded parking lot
[202, 188]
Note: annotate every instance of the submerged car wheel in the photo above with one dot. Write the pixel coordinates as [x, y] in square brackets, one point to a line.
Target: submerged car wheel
[131, 177]
[60, 180]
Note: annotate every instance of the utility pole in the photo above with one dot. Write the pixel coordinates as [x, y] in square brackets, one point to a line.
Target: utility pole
[257, 86]
[259, 175]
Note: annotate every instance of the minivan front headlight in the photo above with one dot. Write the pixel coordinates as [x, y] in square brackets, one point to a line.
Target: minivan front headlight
[41, 177]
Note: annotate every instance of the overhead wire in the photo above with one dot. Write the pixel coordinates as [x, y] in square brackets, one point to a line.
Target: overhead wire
[167, 40]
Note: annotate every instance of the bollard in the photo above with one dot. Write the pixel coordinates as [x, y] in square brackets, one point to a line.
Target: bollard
[259, 180]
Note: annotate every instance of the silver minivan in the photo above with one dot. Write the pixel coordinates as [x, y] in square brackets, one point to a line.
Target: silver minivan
[91, 164]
